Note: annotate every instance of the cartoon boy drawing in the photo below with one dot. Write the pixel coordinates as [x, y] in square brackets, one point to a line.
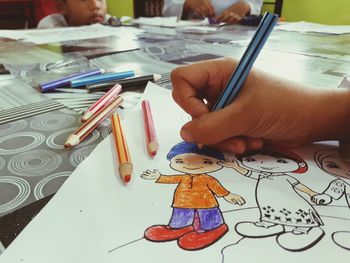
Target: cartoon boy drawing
[196, 221]
[330, 161]
[284, 213]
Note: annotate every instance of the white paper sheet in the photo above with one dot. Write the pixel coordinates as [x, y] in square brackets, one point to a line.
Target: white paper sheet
[168, 22]
[304, 27]
[95, 218]
[44, 36]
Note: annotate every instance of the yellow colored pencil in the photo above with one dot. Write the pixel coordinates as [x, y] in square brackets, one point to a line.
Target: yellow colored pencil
[125, 165]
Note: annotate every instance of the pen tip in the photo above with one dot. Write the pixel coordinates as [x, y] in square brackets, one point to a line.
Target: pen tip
[127, 178]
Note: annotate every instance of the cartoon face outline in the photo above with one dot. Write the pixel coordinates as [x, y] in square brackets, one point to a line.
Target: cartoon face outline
[267, 163]
[336, 166]
[193, 163]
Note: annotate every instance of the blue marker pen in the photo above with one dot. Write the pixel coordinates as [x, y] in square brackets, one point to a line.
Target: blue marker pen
[101, 78]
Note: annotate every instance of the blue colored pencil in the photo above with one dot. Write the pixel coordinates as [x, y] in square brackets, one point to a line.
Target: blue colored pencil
[50, 85]
[101, 78]
[239, 76]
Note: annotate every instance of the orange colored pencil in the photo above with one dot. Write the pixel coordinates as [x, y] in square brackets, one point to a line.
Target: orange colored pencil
[125, 164]
[83, 131]
[151, 137]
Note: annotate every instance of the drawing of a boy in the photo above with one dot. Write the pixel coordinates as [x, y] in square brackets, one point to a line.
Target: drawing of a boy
[196, 220]
[330, 161]
[284, 213]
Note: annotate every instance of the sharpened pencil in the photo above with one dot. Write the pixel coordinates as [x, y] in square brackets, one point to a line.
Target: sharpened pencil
[104, 100]
[151, 137]
[124, 160]
[83, 131]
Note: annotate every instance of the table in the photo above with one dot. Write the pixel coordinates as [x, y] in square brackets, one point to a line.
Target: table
[313, 59]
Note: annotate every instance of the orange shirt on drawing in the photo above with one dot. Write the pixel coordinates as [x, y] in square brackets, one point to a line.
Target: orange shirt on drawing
[194, 191]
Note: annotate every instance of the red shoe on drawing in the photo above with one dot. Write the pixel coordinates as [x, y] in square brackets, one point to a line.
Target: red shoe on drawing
[199, 240]
[163, 233]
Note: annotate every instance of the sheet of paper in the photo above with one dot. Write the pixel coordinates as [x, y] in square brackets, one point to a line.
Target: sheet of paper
[345, 82]
[44, 36]
[303, 27]
[95, 218]
[168, 22]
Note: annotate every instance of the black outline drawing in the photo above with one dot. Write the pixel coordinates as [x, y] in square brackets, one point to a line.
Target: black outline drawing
[196, 221]
[294, 222]
[338, 188]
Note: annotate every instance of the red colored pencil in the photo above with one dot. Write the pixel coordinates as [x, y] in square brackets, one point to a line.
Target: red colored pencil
[151, 137]
[109, 96]
[83, 131]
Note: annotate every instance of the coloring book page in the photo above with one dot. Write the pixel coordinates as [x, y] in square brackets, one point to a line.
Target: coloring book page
[194, 205]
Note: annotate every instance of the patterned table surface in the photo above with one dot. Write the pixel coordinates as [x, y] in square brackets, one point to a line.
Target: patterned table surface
[33, 126]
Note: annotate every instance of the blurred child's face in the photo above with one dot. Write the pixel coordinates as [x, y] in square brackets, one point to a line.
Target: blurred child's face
[337, 166]
[193, 163]
[83, 12]
[267, 163]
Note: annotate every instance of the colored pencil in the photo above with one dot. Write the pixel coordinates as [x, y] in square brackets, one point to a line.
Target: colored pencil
[83, 131]
[127, 84]
[241, 72]
[151, 138]
[101, 78]
[50, 85]
[104, 100]
[124, 161]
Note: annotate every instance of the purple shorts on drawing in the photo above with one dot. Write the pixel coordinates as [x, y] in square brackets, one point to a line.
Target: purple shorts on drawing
[209, 218]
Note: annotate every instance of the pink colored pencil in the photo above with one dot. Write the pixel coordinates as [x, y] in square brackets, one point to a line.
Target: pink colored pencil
[109, 96]
[151, 138]
[83, 131]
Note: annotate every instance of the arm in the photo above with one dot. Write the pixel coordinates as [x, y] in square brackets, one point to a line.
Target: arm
[234, 13]
[269, 109]
[234, 165]
[303, 188]
[255, 6]
[173, 8]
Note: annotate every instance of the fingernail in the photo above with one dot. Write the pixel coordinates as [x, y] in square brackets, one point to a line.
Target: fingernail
[186, 135]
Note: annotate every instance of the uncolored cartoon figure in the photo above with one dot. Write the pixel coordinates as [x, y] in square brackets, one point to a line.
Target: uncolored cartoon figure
[284, 213]
[196, 221]
[330, 161]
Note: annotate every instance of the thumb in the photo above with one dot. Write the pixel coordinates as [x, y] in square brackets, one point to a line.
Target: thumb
[216, 126]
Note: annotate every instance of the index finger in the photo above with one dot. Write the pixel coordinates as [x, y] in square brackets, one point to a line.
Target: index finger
[203, 80]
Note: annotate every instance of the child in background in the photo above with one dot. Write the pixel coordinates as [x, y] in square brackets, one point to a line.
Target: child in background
[76, 13]
[228, 11]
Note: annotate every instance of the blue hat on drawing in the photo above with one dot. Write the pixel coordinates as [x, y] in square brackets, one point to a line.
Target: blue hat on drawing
[187, 147]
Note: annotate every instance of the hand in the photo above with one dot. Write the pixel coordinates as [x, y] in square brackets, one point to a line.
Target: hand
[321, 199]
[230, 164]
[203, 8]
[234, 13]
[151, 175]
[268, 110]
[234, 199]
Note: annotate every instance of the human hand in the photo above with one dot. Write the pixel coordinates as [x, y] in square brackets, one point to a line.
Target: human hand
[268, 109]
[151, 175]
[203, 8]
[234, 13]
[234, 199]
[230, 164]
[321, 199]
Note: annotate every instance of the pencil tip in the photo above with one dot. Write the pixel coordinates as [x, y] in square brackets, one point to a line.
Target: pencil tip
[67, 145]
[153, 153]
[127, 178]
